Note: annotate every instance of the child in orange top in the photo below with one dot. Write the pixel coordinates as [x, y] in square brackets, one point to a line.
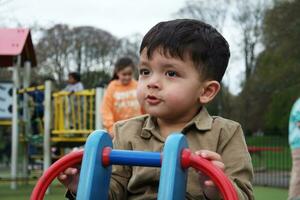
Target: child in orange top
[120, 100]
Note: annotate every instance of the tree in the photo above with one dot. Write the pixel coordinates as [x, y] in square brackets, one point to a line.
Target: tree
[249, 17]
[281, 38]
[62, 49]
[93, 54]
[85, 49]
[212, 12]
[130, 46]
[274, 84]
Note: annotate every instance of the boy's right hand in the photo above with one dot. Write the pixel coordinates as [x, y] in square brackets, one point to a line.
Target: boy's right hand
[69, 178]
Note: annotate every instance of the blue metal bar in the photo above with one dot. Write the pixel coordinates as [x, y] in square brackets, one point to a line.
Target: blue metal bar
[134, 158]
[173, 178]
[94, 177]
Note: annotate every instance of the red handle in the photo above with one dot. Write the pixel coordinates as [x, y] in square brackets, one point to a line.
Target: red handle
[69, 160]
[188, 160]
[218, 177]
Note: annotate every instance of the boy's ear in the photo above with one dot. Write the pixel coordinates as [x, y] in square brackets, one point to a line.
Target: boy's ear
[209, 91]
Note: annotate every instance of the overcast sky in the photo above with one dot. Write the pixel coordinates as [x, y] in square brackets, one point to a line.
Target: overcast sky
[121, 18]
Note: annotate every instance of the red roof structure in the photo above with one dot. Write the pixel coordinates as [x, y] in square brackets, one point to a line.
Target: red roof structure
[14, 42]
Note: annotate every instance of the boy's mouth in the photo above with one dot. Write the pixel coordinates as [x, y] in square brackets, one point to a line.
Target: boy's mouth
[152, 100]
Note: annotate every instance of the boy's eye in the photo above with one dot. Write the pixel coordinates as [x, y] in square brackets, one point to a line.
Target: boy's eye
[171, 73]
[144, 72]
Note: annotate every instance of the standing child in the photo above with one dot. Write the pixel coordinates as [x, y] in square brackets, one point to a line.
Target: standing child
[37, 97]
[182, 63]
[120, 100]
[74, 84]
[294, 141]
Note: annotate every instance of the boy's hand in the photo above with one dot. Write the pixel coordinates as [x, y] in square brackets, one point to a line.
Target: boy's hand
[69, 178]
[209, 188]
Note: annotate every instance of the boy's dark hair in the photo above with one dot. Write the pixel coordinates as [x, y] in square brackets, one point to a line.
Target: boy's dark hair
[204, 45]
[75, 75]
[122, 63]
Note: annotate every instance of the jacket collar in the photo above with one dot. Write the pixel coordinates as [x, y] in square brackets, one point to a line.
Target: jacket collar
[202, 121]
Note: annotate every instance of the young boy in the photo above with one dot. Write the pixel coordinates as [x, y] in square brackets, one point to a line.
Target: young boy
[181, 65]
[74, 84]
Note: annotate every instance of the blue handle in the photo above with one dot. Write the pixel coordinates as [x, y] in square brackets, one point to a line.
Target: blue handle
[95, 176]
[134, 158]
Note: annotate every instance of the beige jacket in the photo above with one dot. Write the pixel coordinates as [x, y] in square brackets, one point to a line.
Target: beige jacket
[204, 132]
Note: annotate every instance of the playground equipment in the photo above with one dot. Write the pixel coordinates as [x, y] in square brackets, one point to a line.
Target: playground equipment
[75, 115]
[68, 119]
[16, 51]
[5, 102]
[98, 157]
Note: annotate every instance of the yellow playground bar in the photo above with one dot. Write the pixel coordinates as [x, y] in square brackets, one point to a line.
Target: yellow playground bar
[69, 117]
[74, 115]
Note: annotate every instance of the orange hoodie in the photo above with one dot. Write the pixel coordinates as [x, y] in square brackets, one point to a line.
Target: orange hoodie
[119, 103]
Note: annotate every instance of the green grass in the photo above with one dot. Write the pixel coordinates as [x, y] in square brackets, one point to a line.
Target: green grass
[266, 193]
[24, 191]
[57, 192]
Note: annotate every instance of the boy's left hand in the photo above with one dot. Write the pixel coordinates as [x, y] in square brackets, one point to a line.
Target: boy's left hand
[209, 188]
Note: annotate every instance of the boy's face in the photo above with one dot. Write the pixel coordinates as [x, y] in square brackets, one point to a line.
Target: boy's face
[71, 80]
[168, 88]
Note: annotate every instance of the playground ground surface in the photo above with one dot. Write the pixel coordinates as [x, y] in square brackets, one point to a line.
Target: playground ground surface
[57, 192]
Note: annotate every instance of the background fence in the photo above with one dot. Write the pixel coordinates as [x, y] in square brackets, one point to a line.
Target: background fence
[271, 160]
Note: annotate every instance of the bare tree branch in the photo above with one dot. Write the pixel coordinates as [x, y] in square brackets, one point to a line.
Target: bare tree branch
[249, 17]
[84, 49]
[212, 12]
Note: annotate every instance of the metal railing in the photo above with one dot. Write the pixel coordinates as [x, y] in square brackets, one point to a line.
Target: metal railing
[74, 115]
[271, 160]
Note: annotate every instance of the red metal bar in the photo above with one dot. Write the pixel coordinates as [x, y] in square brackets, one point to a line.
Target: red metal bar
[188, 160]
[218, 177]
[253, 149]
[69, 160]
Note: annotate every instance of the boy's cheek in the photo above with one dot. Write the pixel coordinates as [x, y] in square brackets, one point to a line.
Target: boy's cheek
[140, 95]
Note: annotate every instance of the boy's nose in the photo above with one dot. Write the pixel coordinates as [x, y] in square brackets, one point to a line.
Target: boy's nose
[153, 83]
[152, 86]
